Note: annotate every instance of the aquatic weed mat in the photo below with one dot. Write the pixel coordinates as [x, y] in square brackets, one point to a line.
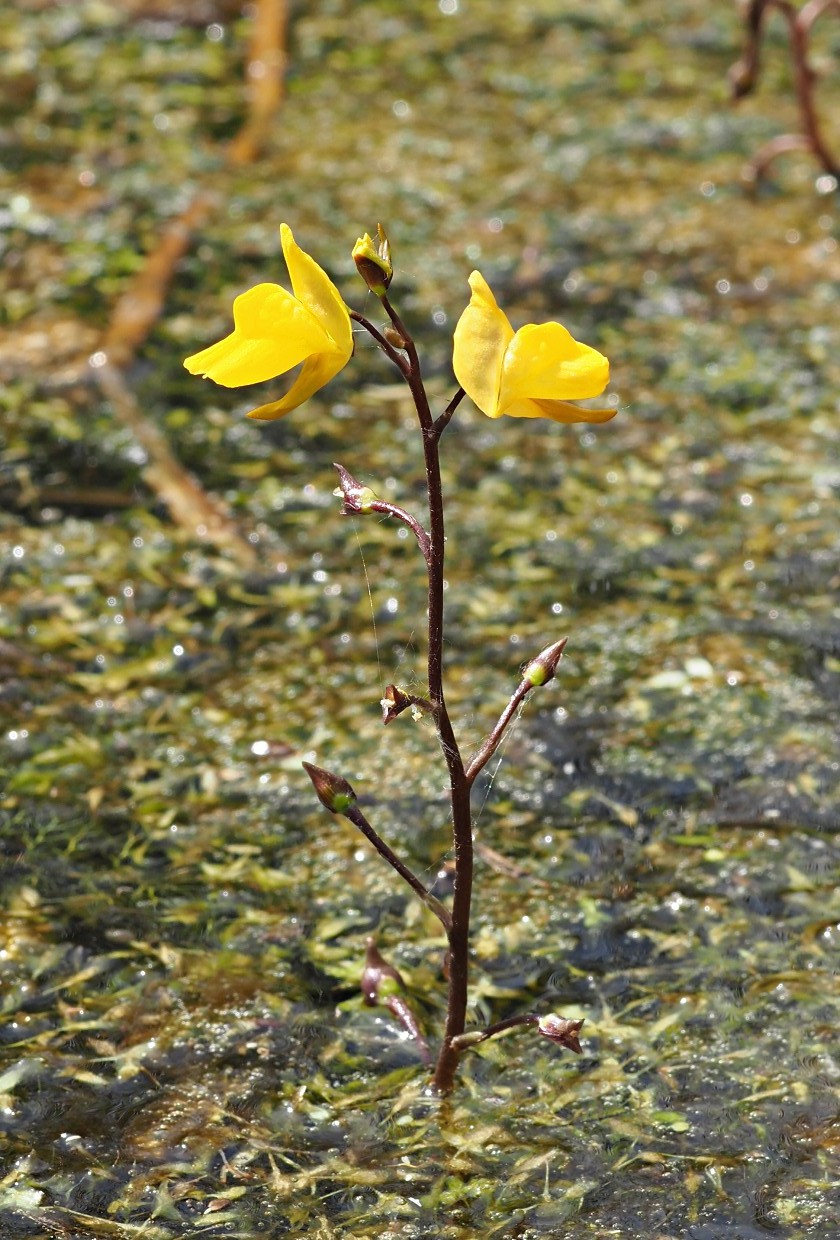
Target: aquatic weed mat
[183, 1048]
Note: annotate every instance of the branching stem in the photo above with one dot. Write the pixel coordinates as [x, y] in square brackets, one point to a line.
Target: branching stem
[475, 1037]
[461, 778]
[401, 514]
[442, 422]
[385, 345]
[491, 744]
[358, 820]
[459, 788]
[744, 75]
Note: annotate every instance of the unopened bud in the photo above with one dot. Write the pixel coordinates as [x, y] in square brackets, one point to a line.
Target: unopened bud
[373, 261]
[562, 1031]
[542, 669]
[379, 978]
[357, 498]
[397, 339]
[334, 792]
[394, 703]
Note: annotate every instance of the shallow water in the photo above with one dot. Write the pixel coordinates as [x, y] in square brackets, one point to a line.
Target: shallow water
[184, 1051]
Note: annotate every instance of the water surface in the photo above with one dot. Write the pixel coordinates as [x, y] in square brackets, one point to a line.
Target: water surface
[184, 1051]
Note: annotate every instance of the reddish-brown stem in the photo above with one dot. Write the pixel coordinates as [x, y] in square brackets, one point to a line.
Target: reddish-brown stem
[477, 1036]
[358, 820]
[400, 514]
[491, 744]
[385, 345]
[456, 1009]
[770, 151]
[800, 33]
[558, 1029]
[443, 421]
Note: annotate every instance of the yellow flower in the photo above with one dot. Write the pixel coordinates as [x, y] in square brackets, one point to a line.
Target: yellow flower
[274, 331]
[532, 373]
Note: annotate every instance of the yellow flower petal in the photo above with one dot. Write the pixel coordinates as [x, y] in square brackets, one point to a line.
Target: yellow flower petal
[558, 411]
[482, 335]
[272, 333]
[316, 371]
[316, 291]
[532, 373]
[545, 362]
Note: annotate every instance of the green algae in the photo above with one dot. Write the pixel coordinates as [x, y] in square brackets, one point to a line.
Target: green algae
[183, 1047]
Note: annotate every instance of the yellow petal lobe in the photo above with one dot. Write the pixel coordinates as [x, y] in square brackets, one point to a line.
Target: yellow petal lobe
[315, 372]
[545, 362]
[313, 287]
[482, 335]
[558, 411]
[272, 332]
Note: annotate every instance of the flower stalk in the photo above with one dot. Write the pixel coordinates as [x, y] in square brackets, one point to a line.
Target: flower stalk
[558, 1029]
[535, 372]
[538, 672]
[336, 795]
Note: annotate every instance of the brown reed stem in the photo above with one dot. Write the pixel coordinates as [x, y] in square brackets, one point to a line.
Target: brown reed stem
[744, 74]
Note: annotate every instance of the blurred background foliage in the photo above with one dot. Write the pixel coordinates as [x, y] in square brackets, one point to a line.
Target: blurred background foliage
[184, 617]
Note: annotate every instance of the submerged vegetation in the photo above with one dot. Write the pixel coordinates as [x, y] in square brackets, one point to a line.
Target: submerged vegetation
[185, 1048]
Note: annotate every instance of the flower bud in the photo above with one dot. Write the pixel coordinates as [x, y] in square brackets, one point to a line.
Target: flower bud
[357, 498]
[560, 1030]
[379, 978]
[334, 792]
[541, 669]
[393, 703]
[397, 339]
[373, 261]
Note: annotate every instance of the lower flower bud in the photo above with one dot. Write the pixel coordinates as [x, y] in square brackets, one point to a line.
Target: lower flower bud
[333, 791]
[562, 1031]
[357, 498]
[379, 978]
[542, 669]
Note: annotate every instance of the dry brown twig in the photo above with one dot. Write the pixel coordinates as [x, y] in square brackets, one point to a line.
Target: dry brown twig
[133, 317]
[265, 69]
[744, 74]
[140, 306]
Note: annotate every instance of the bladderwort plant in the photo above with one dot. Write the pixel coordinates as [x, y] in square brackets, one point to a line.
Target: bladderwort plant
[534, 372]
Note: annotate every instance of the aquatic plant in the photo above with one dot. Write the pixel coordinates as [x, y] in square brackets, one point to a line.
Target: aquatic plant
[534, 372]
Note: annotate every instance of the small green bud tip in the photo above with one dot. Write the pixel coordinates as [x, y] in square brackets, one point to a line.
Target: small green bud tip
[373, 261]
[542, 669]
[535, 674]
[357, 498]
[562, 1031]
[334, 792]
